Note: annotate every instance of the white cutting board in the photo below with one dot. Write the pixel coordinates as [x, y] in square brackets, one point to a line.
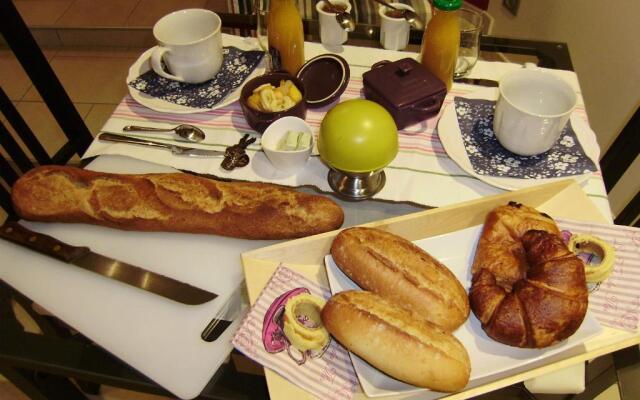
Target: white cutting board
[158, 337]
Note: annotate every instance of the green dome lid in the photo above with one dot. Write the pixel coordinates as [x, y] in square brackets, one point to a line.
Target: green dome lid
[358, 135]
[447, 5]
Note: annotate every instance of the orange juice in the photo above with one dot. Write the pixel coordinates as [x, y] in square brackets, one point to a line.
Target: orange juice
[440, 43]
[285, 35]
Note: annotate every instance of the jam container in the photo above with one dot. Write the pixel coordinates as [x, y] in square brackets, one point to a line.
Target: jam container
[406, 89]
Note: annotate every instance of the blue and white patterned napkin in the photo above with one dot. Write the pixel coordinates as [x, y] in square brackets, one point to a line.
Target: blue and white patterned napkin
[237, 65]
[488, 157]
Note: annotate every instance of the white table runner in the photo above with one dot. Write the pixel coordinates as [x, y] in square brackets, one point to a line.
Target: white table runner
[422, 172]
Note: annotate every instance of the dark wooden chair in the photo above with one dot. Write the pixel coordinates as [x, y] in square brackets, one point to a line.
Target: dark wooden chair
[33, 61]
[27, 359]
[617, 160]
[58, 363]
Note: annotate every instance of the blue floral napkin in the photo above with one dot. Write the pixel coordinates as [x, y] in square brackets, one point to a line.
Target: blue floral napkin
[488, 157]
[237, 65]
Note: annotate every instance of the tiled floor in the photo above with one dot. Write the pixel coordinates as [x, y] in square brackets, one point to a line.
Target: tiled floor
[94, 77]
[9, 392]
[81, 73]
[83, 69]
[96, 13]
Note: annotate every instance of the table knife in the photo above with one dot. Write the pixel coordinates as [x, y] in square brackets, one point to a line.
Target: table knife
[86, 259]
[228, 313]
[175, 149]
[478, 82]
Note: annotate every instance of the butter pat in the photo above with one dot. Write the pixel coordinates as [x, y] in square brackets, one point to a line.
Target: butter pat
[304, 141]
[295, 141]
[291, 141]
[302, 323]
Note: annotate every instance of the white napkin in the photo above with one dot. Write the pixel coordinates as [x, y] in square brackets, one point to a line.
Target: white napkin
[616, 301]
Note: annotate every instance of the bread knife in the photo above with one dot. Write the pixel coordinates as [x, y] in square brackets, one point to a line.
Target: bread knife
[120, 271]
[175, 149]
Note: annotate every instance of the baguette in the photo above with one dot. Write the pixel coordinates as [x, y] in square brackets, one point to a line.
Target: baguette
[401, 272]
[397, 341]
[174, 202]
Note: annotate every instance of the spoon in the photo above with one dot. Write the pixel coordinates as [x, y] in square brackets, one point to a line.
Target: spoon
[411, 17]
[185, 131]
[345, 20]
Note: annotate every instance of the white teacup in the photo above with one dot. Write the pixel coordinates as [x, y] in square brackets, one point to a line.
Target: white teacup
[532, 110]
[331, 33]
[394, 32]
[190, 44]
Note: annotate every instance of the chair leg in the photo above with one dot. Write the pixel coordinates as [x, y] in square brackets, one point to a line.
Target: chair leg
[89, 387]
[627, 366]
[40, 386]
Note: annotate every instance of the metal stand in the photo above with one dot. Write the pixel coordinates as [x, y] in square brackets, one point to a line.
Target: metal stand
[356, 186]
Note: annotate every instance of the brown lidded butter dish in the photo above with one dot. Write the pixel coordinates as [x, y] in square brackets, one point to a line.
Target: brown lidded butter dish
[406, 89]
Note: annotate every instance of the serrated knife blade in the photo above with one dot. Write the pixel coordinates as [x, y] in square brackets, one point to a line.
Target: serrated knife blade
[120, 271]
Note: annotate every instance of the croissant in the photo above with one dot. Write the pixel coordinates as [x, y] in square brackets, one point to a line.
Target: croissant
[528, 289]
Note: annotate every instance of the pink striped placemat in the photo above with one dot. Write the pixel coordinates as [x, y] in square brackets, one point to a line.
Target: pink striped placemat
[422, 162]
[616, 301]
[418, 138]
[330, 375]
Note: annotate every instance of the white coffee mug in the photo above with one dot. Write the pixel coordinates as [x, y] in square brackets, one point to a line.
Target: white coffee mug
[190, 44]
[532, 110]
[331, 33]
[394, 32]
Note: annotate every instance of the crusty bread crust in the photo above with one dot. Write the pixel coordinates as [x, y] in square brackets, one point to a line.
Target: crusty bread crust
[500, 249]
[401, 272]
[397, 341]
[174, 202]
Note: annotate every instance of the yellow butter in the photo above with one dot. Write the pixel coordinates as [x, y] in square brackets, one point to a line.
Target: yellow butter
[303, 323]
[592, 244]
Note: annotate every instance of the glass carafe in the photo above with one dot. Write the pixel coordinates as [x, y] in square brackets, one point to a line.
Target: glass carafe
[285, 36]
[441, 40]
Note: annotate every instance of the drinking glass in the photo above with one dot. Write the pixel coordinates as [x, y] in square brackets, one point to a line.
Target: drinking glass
[470, 28]
[261, 11]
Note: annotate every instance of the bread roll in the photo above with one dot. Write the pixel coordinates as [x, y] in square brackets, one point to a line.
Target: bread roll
[397, 341]
[175, 202]
[401, 272]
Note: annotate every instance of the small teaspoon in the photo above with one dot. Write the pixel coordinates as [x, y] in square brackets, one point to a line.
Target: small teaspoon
[345, 20]
[411, 17]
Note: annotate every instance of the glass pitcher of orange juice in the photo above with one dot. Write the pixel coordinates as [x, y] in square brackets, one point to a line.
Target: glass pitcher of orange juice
[285, 35]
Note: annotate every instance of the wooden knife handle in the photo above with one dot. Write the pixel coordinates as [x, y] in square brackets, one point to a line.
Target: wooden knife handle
[16, 233]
